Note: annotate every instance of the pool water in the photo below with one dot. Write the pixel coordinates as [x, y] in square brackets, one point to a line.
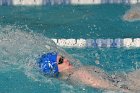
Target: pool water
[98, 21]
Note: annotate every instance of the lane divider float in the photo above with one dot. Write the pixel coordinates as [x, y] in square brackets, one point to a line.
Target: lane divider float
[98, 43]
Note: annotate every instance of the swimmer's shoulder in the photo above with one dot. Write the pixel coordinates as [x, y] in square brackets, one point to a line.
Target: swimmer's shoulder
[81, 68]
[64, 75]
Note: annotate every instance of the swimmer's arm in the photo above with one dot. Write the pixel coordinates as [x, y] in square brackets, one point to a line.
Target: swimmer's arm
[88, 79]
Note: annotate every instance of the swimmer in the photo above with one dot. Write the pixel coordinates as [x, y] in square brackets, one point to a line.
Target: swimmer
[55, 65]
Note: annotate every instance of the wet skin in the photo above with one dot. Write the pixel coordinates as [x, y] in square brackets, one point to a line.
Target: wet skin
[83, 76]
[97, 78]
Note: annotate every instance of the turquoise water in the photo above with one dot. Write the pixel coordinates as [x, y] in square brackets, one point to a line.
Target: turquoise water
[100, 21]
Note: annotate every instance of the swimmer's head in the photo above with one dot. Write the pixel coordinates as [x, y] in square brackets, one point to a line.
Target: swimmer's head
[63, 63]
[52, 63]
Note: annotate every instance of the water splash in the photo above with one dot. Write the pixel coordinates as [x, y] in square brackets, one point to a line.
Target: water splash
[20, 49]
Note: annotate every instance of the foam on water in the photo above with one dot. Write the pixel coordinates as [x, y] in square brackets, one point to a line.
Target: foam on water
[20, 50]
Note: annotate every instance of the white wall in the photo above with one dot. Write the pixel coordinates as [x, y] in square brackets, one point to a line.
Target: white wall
[5, 2]
[133, 1]
[40, 2]
[27, 2]
[97, 1]
[85, 1]
[0, 2]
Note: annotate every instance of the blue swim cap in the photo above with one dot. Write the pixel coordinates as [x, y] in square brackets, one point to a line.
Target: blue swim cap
[48, 64]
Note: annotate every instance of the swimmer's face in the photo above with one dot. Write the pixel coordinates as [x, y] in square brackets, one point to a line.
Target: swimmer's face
[63, 63]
